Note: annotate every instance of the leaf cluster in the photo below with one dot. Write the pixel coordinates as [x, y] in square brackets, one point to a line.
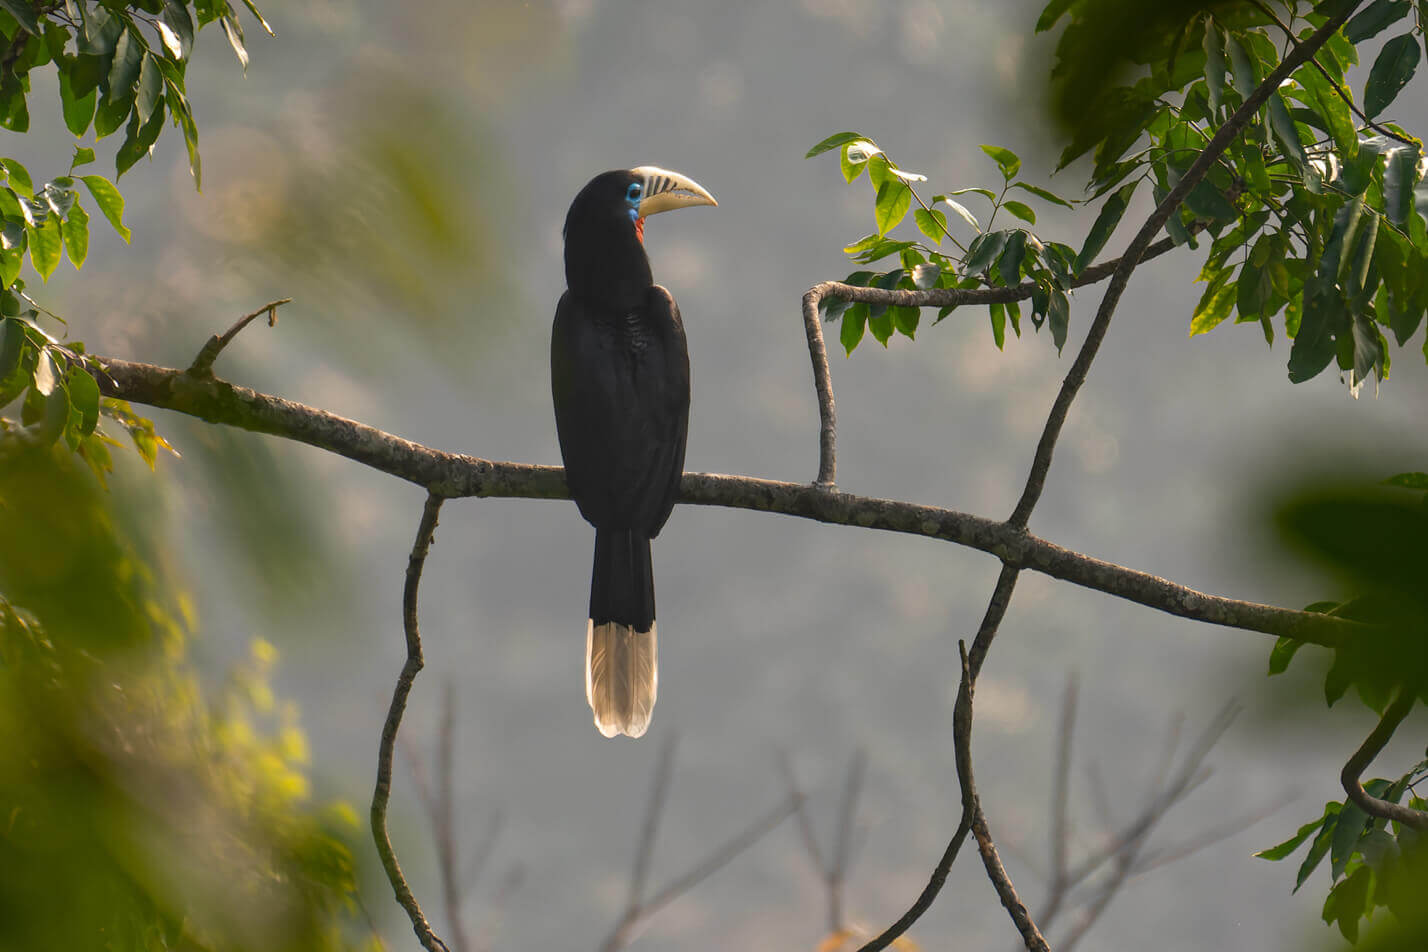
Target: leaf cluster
[989, 258]
[1316, 212]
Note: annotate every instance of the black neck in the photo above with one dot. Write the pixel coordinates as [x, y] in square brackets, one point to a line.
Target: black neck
[605, 261]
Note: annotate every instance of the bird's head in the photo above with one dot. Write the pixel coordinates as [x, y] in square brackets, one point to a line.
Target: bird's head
[605, 227]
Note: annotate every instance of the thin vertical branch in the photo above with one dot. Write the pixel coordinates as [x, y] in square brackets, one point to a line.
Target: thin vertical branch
[823, 384]
[381, 796]
[842, 845]
[654, 809]
[962, 736]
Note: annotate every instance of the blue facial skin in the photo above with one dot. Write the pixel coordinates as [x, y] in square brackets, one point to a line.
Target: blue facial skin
[632, 198]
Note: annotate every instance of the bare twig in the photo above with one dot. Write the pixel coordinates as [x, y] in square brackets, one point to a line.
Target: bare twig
[202, 365]
[962, 741]
[842, 844]
[654, 809]
[1076, 376]
[637, 908]
[1057, 885]
[833, 873]
[1393, 715]
[823, 385]
[381, 796]
[962, 734]
[452, 475]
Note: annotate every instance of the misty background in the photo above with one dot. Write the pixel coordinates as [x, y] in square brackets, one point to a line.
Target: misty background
[404, 177]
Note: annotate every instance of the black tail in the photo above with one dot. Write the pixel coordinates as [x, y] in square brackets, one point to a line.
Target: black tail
[622, 583]
[621, 654]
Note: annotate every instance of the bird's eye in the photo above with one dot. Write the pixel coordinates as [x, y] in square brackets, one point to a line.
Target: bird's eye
[633, 192]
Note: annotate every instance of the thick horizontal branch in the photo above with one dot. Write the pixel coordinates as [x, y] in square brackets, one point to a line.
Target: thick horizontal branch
[454, 475]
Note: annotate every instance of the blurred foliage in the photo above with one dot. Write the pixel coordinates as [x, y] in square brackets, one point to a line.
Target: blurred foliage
[1316, 211]
[140, 810]
[1374, 541]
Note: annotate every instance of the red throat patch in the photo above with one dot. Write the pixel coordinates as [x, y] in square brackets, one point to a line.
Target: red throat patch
[640, 229]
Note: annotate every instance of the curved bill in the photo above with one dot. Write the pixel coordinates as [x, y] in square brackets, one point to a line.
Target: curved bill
[664, 190]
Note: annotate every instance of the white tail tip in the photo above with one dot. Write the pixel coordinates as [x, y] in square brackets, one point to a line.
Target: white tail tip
[621, 677]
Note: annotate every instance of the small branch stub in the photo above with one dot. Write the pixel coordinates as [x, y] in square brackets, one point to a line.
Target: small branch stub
[202, 365]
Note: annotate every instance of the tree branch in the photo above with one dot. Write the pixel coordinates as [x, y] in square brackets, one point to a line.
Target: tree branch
[962, 734]
[1076, 376]
[823, 385]
[202, 365]
[1393, 715]
[381, 796]
[453, 475]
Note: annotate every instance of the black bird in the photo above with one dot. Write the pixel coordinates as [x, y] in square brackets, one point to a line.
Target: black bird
[619, 373]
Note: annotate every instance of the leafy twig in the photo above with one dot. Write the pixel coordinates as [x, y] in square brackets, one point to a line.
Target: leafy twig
[1393, 715]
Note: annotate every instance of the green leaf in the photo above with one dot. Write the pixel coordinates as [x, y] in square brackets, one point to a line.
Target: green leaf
[1408, 481]
[1352, 820]
[962, 211]
[1347, 902]
[855, 321]
[1214, 46]
[832, 142]
[851, 169]
[100, 31]
[14, 114]
[253, 9]
[1104, 225]
[151, 88]
[894, 199]
[1241, 67]
[998, 314]
[880, 323]
[1375, 18]
[1010, 260]
[1320, 847]
[932, 223]
[1398, 181]
[46, 373]
[1006, 160]
[83, 155]
[78, 110]
[110, 202]
[129, 52]
[971, 189]
[1276, 853]
[1206, 201]
[76, 235]
[1215, 304]
[138, 139]
[23, 13]
[1054, 11]
[905, 319]
[1282, 125]
[18, 177]
[983, 250]
[45, 245]
[1331, 107]
[234, 31]
[1020, 210]
[176, 28]
[1058, 315]
[1042, 194]
[1284, 650]
[1391, 71]
[84, 397]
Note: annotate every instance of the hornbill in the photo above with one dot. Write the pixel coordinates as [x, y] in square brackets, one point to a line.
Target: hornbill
[619, 373]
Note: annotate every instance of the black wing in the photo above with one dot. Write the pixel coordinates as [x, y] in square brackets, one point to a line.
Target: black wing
[621, 389]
